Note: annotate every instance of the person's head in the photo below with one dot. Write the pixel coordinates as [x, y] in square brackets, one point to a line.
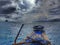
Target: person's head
[38, 29]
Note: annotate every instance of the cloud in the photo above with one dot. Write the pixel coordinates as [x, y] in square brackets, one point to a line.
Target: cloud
[26, 11]
[55, 11]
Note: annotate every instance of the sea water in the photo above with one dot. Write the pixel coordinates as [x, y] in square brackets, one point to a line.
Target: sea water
[8, 32]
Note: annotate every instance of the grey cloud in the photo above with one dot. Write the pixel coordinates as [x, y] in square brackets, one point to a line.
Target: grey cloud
[55, 11]
[28, 12]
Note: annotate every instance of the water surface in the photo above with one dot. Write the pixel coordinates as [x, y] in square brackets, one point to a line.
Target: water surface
[8, 32]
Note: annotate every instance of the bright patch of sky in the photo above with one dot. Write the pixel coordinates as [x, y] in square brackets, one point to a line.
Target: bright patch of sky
[25, 5]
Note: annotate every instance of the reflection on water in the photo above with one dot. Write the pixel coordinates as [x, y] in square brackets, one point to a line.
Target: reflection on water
[8, 32]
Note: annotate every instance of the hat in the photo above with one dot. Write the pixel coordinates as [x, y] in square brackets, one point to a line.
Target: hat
[38, 27]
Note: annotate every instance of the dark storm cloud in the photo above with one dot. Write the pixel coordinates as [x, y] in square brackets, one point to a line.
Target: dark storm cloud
[8, 10]
[55, 11]
[2, 3]
[4, 8]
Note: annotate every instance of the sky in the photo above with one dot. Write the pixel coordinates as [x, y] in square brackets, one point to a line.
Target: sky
[28, 11]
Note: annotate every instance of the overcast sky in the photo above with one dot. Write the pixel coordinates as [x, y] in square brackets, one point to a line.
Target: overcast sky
[29, 11]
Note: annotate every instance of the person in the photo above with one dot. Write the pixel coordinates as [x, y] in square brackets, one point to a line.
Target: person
[38, 36]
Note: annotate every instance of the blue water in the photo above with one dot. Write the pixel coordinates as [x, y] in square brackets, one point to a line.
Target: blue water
[8, 32]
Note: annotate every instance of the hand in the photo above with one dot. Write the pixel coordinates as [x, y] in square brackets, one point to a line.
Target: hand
[49, 43]
[28, 37]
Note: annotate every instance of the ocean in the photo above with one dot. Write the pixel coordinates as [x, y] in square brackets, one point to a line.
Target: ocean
[8, 32]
